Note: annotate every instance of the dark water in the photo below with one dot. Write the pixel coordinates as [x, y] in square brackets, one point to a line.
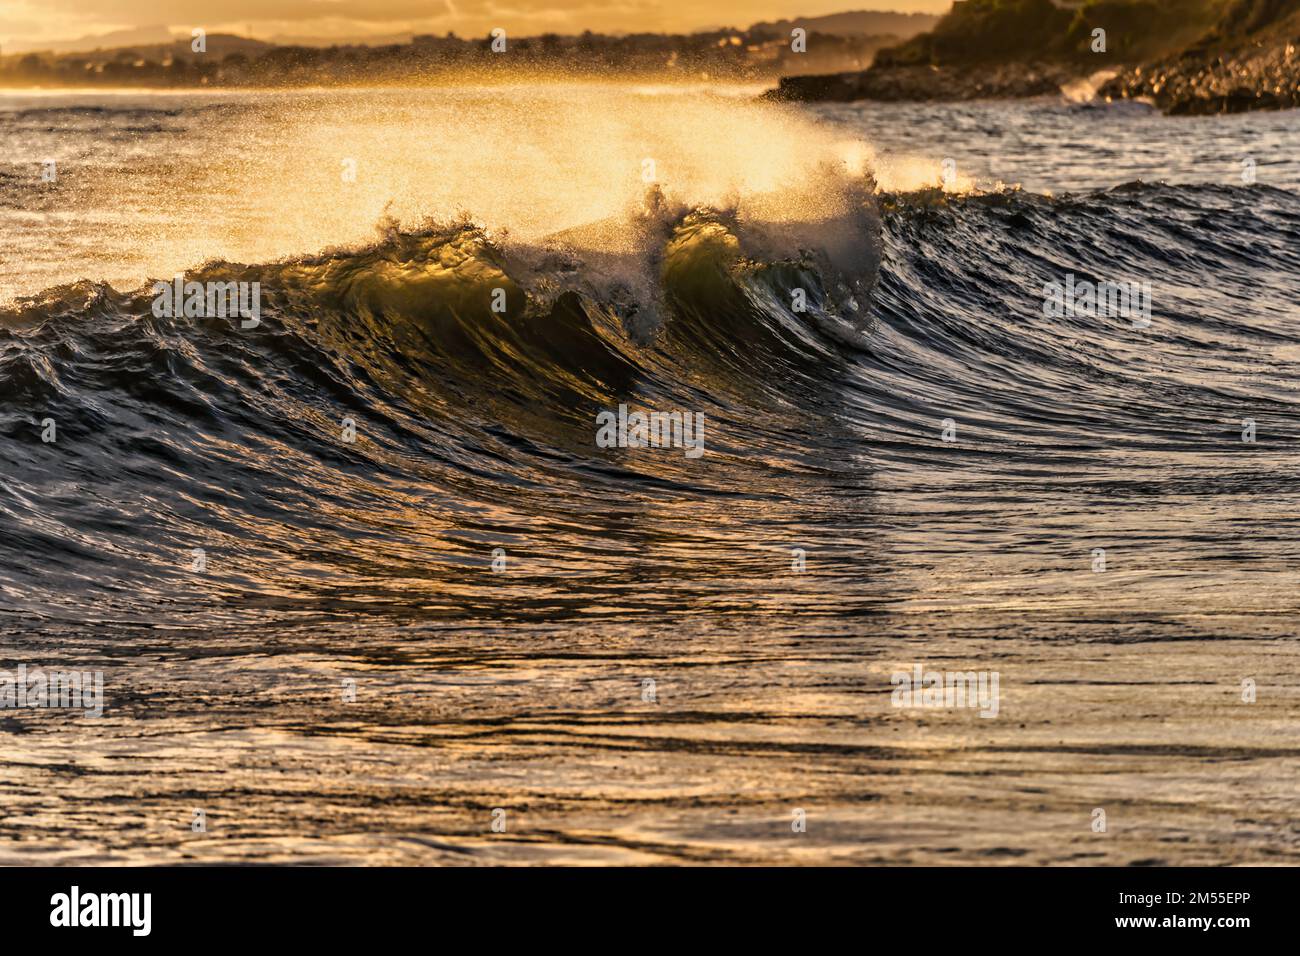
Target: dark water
[523, 686]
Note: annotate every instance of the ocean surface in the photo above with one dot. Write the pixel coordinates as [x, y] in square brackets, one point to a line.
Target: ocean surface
[361, 576]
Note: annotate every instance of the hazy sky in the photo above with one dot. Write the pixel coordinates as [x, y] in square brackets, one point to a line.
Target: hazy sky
[29, 22]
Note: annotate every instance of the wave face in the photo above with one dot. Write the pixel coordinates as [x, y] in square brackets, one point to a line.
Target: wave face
[475, 425]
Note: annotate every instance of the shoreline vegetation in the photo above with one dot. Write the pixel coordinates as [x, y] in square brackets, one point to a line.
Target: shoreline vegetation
[1182, 56]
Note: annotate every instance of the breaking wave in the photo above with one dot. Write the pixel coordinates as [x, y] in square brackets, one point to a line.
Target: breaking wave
[472, 368]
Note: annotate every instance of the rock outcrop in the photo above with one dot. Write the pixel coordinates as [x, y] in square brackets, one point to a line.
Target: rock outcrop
[1195, 56]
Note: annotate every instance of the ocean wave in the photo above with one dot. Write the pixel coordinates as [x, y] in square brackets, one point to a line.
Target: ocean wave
[472, 369]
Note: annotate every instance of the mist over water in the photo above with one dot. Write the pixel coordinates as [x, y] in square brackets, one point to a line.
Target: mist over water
[253, 178]
[919, 466]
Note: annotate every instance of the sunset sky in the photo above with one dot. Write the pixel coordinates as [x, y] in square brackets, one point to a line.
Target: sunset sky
[25, 24]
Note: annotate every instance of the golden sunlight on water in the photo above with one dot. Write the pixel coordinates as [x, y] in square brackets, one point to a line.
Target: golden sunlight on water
[530, 161]
[265, 176]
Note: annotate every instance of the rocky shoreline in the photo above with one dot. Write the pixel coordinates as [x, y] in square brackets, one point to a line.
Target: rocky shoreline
[1261, 79]
[1265, 78]
[893, 83]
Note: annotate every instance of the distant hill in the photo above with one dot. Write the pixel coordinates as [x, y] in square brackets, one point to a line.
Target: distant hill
[151, 44]
[102, 41]
[219, 45]
[292, 39]
[855, 23]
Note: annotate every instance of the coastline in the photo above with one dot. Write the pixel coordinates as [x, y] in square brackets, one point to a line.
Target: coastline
[926, 83]
[1203, 84]
[1236, 57]
[1266, 79]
